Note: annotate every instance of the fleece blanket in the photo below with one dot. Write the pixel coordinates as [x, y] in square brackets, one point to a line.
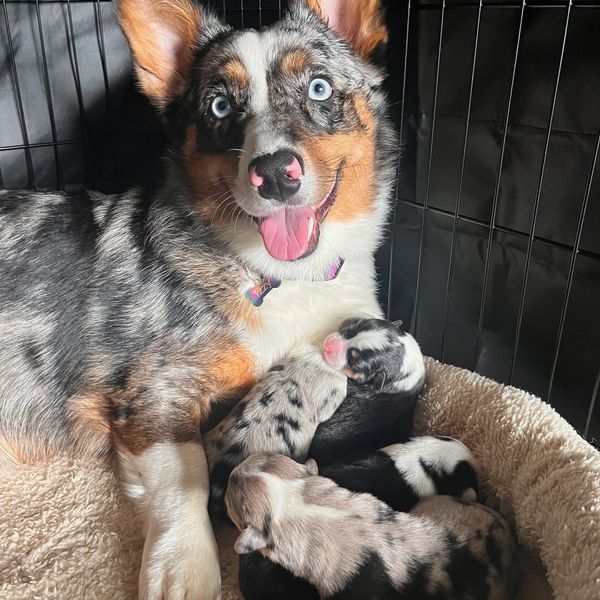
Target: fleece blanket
[67, 532]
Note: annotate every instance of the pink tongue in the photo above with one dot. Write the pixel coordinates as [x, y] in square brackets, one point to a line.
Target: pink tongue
[287, 233]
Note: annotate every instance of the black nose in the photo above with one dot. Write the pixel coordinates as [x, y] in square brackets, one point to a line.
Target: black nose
[277, 176]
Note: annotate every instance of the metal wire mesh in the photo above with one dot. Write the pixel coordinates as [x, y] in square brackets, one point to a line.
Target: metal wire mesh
[573, 392]
[451, 259]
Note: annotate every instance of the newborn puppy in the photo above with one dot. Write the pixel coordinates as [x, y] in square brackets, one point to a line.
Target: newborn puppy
[351, 546]
[280, 414]
[403, 474]
[386, 375]
[286, 406]
[400, 475]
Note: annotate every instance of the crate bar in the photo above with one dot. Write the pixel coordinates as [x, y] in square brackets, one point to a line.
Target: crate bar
[492, 224]
[17, 88]
[70, 142]
[48, 96]
[401, 129]
[588, 421]
[102, 49]
[537, 200]
[71, 40]
[514, 5]
[574, 254]
[242, 12]
[224, 10]
[426, 199]
[460, 186]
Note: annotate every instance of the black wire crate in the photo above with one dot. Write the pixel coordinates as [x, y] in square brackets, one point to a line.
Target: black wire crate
[493, 254]
[495, 258]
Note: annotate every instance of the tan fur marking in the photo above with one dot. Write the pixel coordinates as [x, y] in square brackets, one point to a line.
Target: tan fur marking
[215, 203]
[231, 371]
[296, 62]
[356, 151]
[361, 23]
[162, 35]
[210, 174]
[235, 70]
[89, 417]
[170, 396]
[240, 310]
[16, 455]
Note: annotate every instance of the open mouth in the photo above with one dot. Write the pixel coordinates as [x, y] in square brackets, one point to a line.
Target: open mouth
[292, 233]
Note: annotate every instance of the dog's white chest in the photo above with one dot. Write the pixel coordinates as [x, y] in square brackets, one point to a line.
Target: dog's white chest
[300, 313]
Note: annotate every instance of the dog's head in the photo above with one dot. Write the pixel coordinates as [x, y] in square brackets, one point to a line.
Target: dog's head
[283, 131]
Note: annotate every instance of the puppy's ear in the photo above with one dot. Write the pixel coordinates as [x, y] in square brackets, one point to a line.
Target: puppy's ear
[162, 35]
[311, 466]
[249, 540]
[397, 324]
[378, 381]
[360, 22]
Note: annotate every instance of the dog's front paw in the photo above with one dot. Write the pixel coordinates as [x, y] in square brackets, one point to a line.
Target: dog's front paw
[376, 353]
[180, 564]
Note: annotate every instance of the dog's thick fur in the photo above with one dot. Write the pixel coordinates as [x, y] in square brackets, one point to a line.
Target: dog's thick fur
[124, 318]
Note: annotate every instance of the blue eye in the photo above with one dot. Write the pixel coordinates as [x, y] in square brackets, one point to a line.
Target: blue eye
[320, 90]
[221, 107]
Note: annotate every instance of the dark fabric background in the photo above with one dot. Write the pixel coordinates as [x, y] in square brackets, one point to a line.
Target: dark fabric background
[70, 118]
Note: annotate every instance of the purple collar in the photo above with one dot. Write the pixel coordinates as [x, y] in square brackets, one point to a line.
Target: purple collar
[256, 294]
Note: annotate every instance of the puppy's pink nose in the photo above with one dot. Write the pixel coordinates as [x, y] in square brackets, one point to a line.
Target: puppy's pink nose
[294, 170]
[334, 350]
[255, 179]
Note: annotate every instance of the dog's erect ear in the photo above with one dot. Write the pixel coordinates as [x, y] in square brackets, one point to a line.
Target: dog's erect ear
[249, 540]
[162, 35]
[359, 21]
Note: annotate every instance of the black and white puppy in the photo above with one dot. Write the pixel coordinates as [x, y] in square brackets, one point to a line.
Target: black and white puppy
[400, 475]
[403, 474]
[386, 374]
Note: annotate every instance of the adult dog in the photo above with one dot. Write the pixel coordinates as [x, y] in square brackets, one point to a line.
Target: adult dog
[124, 319]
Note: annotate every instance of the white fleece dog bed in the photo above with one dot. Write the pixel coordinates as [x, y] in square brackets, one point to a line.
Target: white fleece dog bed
[67, 532]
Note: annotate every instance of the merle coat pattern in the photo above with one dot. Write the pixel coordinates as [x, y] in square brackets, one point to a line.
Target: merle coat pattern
[399, 475]
[294, 399]
[125, 319]
[353, 546]
[280, 415]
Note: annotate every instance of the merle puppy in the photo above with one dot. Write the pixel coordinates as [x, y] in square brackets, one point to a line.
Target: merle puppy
[352, 546]
[400, 475]
[386, 374]
[280, 415]
[293, 400]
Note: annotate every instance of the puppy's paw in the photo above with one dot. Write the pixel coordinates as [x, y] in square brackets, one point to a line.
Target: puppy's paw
[181, 563]
[376, 353]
